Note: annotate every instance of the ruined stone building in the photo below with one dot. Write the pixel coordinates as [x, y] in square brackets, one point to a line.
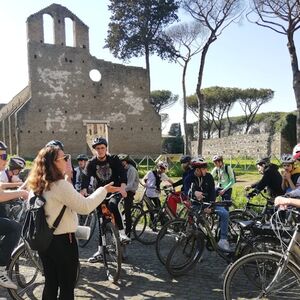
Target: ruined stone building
[62, 102]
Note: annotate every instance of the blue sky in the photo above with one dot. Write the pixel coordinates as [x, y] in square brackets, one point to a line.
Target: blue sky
[245, 55]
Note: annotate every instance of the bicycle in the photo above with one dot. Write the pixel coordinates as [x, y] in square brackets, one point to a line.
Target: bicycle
[267, 275]
[198, 234]
[149, 222]
[109, 240]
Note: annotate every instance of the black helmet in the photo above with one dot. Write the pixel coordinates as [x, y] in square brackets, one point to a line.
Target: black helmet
[2, 146]
[263, 161]
[185, 159]
[99, 141]
[82, 157]
[123, 156]
[16, 163]
[56, 143]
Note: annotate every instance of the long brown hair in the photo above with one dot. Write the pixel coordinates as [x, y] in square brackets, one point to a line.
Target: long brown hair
[44, 171]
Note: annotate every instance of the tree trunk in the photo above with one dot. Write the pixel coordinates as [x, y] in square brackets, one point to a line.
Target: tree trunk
[186, 141]
[296, 77]
[147, 59]
[200, 98]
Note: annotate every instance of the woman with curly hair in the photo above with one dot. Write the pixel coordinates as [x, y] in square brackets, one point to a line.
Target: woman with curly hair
[60, 260]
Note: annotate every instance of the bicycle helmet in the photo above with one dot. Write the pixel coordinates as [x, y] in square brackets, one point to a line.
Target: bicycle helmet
[263, 161]
[162, 164]
[217, 157]
[2, 146]
[287, 159]
[82, 157]
[16, 163]
[198, 162]
[99, 141]
[56, 143]
[123, 156]
[185, 159]
[296, 152]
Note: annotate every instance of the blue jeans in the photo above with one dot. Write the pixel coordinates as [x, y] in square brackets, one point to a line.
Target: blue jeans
[12, 231]
[223, 213]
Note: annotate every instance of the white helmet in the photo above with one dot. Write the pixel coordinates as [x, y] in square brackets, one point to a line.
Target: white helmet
[162, 164]
[217, 157]
[198, 162]
[287, 159]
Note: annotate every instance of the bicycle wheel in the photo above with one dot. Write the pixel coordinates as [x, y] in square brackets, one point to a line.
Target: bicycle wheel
[112, 256]
[26, 271]
[91, 221]
[167, 237]
[249, 277]
[185, 253]
[147, 225]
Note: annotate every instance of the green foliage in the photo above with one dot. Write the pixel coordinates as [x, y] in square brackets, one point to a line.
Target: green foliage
[173, 144]
[175, 130]
[161, 99]
[289, 129]
[136, 28]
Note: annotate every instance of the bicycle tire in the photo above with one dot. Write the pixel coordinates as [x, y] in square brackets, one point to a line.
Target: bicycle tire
[112, 255]
[167, 237]
[27, 274]
[146, 226]
[91, 221]
[248, 276]
[185, 253]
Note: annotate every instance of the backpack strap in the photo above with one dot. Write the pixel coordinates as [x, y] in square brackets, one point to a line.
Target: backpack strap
[58, 219]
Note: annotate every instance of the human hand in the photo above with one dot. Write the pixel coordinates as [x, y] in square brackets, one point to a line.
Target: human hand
[83, 192]
[110, 188]
[282, 202]
[24, 194]
[199, 195]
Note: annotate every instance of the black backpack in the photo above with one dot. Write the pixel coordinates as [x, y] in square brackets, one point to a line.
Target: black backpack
[36, 230]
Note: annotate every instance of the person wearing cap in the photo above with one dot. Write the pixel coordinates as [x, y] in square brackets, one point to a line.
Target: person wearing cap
[225, 177]
[200, 184]
[105, 168]
[11, 230]
[131, 188]
[271, 179]
[78, 171]
[152, 181]
[178, 197]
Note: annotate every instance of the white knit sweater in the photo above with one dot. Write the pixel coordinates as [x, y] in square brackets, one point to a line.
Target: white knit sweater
[63, 193]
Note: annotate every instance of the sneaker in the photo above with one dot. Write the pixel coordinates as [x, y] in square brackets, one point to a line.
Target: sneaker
[6, 282]
[97, 257]
[124, 239]
[223, 245]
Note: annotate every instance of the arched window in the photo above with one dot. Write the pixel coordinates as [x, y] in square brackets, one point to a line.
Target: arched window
[69, 30]
[48, 24]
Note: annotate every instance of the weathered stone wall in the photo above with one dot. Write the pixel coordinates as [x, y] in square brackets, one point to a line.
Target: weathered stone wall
[251, 145]
[64, 98]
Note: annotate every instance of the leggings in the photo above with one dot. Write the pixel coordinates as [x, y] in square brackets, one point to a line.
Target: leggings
[128, 202]
[60, 262]
[11, 231]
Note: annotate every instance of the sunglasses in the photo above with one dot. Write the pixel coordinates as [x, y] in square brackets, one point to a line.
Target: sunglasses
[66, 157]
[3, 156]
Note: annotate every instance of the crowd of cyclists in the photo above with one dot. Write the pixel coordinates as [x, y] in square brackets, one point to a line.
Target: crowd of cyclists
[104, 170]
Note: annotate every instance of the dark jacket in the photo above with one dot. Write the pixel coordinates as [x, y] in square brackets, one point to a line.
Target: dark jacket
[104, 172]
[204, 184]
[181, 181]
[271, 180]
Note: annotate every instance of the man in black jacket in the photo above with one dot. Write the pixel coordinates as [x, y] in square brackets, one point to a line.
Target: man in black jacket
[271, 178]
[106, 168]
